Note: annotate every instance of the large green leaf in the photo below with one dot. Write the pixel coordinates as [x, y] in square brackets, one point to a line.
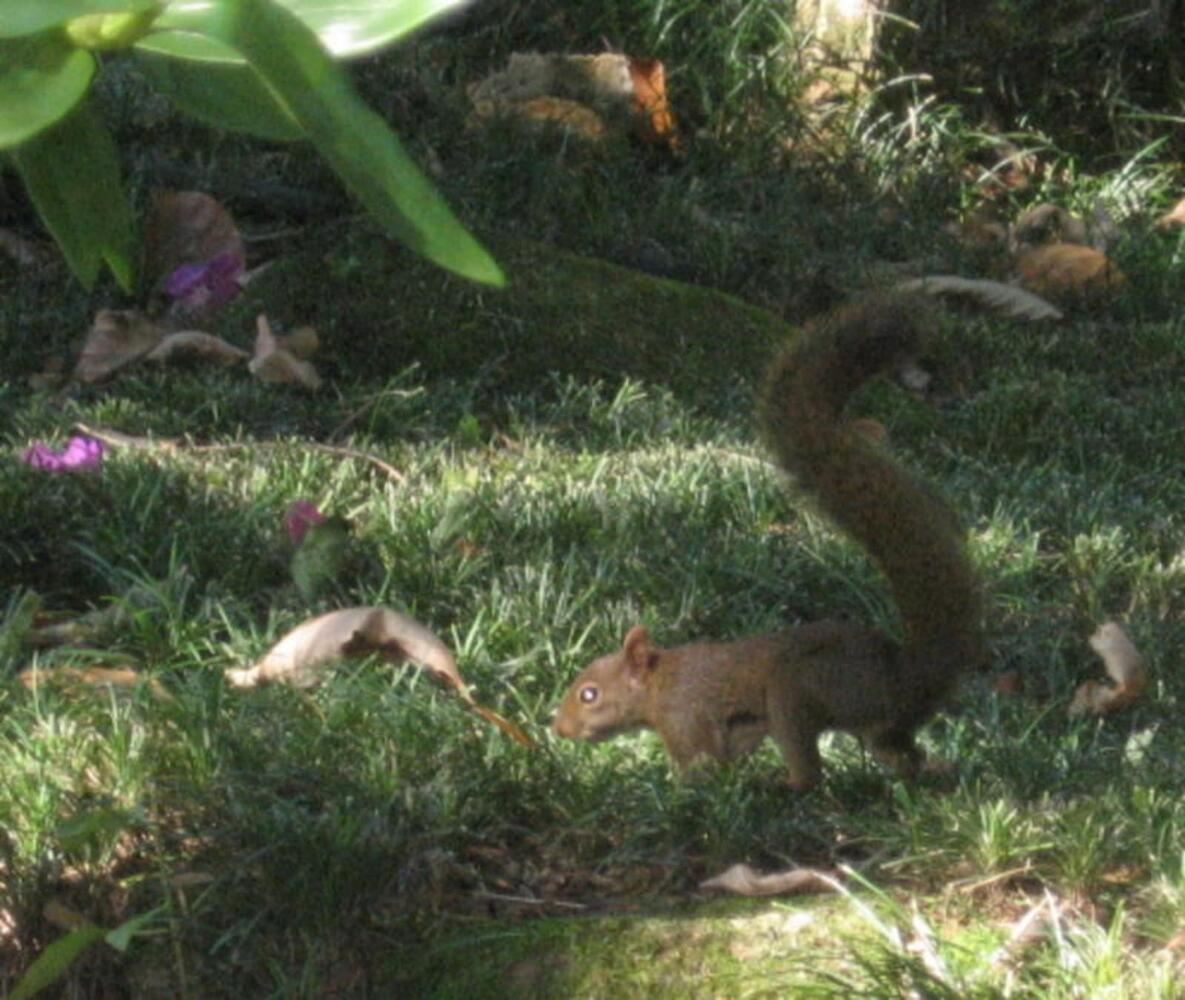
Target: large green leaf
[357, 143]
[226, 95]
[71, 172]
[28, 17]
[41, 78]
[346, 28]
[55, 959]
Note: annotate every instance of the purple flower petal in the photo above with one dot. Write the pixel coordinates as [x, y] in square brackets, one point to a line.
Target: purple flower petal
[301, 516]
[81, 453]
[185, 280]
[213, 282]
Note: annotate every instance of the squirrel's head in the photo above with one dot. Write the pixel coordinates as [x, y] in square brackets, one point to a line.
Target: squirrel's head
[609, 695]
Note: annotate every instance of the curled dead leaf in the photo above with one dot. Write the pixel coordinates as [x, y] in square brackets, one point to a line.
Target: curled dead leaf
[301, 656]
[117, 338]
[655, 121]
[301, 343]
[1124, 665]
[1067, 272]
[186, 227]
[271, 362]
[198, 344]
[1173, 217]
[744, 880]
[1008, 300]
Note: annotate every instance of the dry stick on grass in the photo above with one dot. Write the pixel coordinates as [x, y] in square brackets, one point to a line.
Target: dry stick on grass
[116, 439]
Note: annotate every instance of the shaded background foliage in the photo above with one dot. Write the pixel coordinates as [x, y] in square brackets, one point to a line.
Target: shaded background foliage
[1099, 77]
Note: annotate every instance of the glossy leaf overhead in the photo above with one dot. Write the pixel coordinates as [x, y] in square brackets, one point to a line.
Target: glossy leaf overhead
[71, 173]
[41, 78]
[355, 141]
[29, 17]
[346, 28]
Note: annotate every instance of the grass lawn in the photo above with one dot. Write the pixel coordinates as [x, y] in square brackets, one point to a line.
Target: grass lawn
[570, 457]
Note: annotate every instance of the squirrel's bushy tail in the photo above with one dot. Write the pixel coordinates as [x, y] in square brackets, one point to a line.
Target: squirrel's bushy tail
[908, 530]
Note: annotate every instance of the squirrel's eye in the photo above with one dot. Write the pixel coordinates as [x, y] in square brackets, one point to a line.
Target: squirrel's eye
[589, 694]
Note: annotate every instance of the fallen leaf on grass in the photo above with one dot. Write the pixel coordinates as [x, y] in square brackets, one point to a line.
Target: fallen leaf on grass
[1124, 665]
[186, 228]
[747, 881]
[196, 343]
[273, 362]
[1008, 300]
[1068, 272]
[116, 338]
[1174, 217]
[301, 655]
[300, 343]
[572, 116]
[119, 679]
[656, 123]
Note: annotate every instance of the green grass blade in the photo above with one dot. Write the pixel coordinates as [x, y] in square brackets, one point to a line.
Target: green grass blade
[41, 78]
[357, 143]
[71, 172]
[56, 960]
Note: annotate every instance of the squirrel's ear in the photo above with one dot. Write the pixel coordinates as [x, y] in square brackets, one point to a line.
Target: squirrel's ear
[639, 654]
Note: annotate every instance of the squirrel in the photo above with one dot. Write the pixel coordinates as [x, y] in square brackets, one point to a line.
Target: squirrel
[720, 699]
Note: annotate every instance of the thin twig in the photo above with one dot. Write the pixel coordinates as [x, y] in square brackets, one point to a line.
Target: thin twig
[118, 439]
[528, 900]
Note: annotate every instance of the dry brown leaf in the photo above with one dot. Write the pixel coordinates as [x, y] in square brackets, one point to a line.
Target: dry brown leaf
[117, 338]
[301, 343]
[1124, 665]
[300, 656]
[196, 343]
[747, 881]
[186, 227]
[1174, 217]
[272, 363]
[655, 122]
[119, 679]
[602, 81]
[1068, 272]
[994, 295]
[574, 117]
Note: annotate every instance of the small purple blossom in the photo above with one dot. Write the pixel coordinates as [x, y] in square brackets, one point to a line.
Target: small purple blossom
[212, 283]
[81, 453]
[301, 516]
